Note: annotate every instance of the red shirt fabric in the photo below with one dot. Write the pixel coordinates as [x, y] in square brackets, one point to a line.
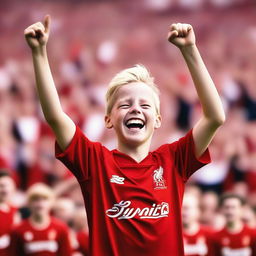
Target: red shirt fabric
[51, 241]
[6, 223]
[132, 208]
[232, 244]
[197, 244]
[83, 242]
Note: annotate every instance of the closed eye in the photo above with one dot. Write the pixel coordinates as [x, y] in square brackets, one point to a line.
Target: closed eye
[124, 106]
[145, 106]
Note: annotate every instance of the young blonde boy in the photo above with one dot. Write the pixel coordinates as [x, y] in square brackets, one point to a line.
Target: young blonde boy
[133, 197]
[40, 234]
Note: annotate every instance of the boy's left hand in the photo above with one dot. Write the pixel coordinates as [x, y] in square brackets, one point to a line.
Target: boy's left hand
[181, 35]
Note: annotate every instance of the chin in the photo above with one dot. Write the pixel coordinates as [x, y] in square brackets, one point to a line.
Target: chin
[134, 137]
[136, 140]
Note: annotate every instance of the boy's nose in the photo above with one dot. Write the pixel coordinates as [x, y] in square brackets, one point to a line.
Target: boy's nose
[135, 109]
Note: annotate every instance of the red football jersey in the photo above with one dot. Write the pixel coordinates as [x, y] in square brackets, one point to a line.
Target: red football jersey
[51, 241]
[197, 244]
[133, 208]
[232, 244]
[6, 223]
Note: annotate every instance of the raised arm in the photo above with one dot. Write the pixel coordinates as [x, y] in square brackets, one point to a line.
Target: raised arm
[37, 36]
[182, 35]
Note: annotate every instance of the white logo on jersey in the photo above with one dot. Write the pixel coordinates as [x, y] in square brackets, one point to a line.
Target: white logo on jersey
[226, 251]
[159, 181]
[191, 249]
[117, 179]
[122, 211]
[38, 246]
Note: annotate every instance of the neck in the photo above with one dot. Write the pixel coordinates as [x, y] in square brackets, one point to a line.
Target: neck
[234, 226]
[138, 153]
[40, 220]
[191, 228]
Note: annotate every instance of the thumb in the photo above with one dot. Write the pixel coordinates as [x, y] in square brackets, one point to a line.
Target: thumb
[47, 23]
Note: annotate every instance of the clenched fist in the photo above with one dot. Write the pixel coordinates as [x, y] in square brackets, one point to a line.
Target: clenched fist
[181, 35]
[38, 33]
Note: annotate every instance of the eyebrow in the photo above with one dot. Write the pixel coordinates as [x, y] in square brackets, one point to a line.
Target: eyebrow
[129, 99]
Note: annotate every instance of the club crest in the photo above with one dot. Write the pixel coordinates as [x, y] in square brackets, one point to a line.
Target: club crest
[159, 182]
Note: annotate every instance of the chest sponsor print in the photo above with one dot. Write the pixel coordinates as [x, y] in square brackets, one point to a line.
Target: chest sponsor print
[226, 251]
[39, 246]
[123, 210]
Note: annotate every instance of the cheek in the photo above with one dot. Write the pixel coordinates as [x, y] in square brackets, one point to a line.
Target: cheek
[119, 117]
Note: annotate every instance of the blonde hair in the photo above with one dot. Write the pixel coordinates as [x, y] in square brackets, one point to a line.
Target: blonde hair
[40, 189]
[137, 73]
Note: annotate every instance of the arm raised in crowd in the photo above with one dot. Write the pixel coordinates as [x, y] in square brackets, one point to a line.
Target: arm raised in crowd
[37, 36]
[182, 35]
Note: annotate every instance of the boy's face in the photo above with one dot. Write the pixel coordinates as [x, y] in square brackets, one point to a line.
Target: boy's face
[190, 209]
[134, 115]
[232, 209]
[40, 205]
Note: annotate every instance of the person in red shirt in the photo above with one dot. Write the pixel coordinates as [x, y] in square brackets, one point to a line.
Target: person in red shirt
[9, 215]
[235, 238]
[132, 196]
[196, 238]
[40, 234]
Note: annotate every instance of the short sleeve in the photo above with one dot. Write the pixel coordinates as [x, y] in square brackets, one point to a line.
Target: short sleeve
[78, 155]
[185, 157]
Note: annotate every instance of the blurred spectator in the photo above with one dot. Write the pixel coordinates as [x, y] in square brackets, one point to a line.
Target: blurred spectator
[40, 234]
[235, 238]
[195, 237]
[209, 206]
[9, 215]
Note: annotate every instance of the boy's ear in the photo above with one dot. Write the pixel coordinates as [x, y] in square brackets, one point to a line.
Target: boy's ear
[108, 123]
[158, 121]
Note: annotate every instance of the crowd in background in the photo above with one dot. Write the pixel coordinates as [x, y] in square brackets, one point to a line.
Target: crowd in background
[90, 42]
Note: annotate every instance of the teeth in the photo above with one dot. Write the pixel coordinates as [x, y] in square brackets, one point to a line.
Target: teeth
[134, 121]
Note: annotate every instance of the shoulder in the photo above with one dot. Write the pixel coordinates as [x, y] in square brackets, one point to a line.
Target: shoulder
[208, 232]
[21, 227]
[79, 142]
[80, 135]
[218, 234]
[176, 142]
[249, 230]
[58, 224]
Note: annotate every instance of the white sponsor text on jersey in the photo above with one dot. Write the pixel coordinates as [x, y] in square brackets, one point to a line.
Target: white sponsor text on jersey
[123, 211]
[38, 246]
[226, 251]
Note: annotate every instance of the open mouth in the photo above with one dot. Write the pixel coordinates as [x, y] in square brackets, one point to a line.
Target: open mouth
[135, 123]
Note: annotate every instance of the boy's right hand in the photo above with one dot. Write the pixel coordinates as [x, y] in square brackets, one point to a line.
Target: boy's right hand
[38, 33]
